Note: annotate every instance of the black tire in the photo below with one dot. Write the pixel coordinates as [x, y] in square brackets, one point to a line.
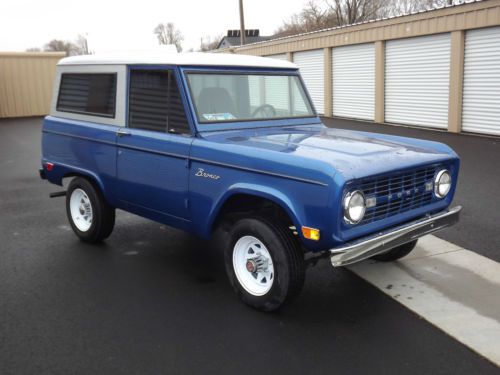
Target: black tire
[103, 215]
[287, 259]
[397, 252]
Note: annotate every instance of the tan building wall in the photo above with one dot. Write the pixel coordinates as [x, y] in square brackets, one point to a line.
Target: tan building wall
[26, 80]
[455, 20]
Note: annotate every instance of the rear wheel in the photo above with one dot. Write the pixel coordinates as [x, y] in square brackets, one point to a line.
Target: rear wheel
[91, 217]
[397, 252]
[264, 263]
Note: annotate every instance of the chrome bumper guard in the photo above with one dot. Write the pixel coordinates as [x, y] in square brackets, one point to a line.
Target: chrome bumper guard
[382, 242]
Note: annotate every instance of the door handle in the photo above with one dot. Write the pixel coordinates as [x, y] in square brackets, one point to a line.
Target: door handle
[122, 133]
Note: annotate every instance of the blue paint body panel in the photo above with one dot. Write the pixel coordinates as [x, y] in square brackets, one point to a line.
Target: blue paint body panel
[299, 164]
[150, 164]
[81, 148]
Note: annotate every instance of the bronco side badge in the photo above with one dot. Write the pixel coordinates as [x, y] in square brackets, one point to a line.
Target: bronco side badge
[201, 173]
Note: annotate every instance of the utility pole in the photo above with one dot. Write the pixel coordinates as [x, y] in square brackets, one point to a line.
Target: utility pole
[242, 24]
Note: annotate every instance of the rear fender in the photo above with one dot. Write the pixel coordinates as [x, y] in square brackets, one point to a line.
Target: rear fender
[62, 171]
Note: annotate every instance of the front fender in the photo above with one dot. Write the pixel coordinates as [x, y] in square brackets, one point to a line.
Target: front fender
[261, 191]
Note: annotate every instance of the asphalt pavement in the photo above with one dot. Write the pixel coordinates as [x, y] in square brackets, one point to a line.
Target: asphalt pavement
[153, 300]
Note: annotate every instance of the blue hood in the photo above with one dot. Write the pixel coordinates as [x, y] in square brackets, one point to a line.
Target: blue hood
[352, 154]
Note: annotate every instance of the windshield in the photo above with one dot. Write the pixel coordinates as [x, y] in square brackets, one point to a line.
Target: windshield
[223, 97]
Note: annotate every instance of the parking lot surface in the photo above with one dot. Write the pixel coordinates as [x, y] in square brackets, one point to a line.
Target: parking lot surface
[155, 300]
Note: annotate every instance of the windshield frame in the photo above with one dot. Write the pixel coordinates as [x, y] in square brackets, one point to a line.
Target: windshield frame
[234, 124]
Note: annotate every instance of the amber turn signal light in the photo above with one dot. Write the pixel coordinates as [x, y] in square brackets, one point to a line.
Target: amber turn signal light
[310, 233]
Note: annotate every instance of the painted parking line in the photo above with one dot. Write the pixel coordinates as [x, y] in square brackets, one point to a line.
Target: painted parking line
[455, 289]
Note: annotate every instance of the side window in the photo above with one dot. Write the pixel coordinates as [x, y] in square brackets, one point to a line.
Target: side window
[177, 120]
[155, 102]
[90, 94]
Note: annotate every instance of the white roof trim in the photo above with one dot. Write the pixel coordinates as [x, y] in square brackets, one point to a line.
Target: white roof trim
[186, 59]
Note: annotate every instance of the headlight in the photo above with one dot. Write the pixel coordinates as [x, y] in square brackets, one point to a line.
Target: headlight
[354, 207]
[442, 183]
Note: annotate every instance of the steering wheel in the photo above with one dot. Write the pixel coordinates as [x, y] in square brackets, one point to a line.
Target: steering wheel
[267, 110]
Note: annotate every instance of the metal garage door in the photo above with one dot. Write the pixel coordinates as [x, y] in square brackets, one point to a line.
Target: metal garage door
[354, 81]
[311, 65]
[481, 97]
[417, 81]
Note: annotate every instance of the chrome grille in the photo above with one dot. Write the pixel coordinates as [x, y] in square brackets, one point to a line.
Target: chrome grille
[398, 193]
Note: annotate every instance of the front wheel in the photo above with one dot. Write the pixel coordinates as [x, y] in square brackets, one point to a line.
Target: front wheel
[396, 253]
[264, 263]
[91, 217]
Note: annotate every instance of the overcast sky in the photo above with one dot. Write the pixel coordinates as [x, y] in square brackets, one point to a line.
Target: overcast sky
[118, 25]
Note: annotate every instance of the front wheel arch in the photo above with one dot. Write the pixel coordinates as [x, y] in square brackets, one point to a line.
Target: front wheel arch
[257, 200]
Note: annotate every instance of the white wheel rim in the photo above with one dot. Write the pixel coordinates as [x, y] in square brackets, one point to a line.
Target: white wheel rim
[81, 210]
[253, 265]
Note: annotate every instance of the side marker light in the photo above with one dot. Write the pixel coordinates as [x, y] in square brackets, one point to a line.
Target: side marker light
[310, 233]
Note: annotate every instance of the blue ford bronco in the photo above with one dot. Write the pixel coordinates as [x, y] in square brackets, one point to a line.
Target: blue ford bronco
[228, 144]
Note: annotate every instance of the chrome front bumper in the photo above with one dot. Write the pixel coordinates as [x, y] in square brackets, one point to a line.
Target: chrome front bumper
[382, 242]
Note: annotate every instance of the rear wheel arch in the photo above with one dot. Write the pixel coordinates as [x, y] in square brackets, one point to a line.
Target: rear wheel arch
[93, 179]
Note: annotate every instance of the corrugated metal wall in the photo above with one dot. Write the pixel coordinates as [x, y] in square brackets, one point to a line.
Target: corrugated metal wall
[26, 83]
[354, 81]
[417, 73]
[313, 73]
[280, 56]
[481, 89]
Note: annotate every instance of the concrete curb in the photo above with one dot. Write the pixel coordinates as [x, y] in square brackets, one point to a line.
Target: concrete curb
[455, 289]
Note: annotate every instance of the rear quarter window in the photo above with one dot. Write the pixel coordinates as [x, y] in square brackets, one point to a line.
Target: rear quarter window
[155, 102]
[88, 93]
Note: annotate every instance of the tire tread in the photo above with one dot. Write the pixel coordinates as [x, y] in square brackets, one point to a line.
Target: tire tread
[294, 254]
[290, 252]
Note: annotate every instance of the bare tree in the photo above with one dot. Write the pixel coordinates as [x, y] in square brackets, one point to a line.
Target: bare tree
[331, 13]
[312, 17]
[82, 45]
[210, 43]
[168, 34]
[292, 26]
[60, 45]
[399, 7]
[322, 14]
[347, 12]
[78, 47]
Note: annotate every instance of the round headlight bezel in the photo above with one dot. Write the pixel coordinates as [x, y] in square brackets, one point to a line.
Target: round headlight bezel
[348, 199]
[438, 183]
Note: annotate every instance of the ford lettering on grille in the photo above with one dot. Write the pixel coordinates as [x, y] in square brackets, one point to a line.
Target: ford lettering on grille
[398, 193]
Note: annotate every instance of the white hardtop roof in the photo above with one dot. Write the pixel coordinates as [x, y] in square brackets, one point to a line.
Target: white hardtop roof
[169, 58]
